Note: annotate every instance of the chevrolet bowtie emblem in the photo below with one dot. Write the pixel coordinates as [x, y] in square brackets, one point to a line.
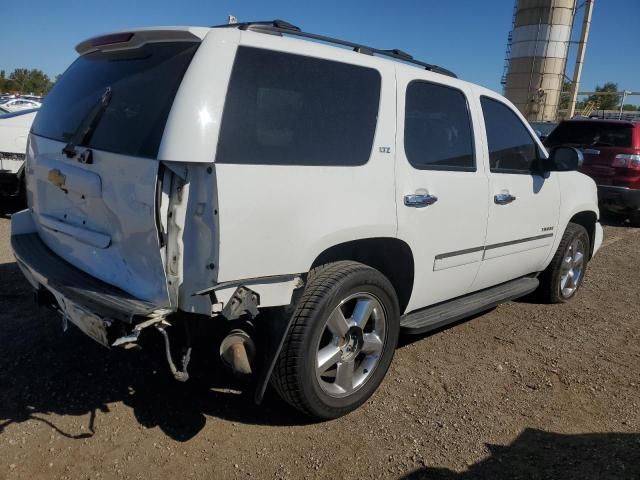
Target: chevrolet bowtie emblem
[56, 177]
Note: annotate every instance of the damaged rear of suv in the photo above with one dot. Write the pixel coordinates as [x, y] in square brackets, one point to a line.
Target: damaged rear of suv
[103, 239]
[125, 232]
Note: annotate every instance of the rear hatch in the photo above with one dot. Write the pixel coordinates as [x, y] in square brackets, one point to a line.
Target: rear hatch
[606, 146]
[96, 205]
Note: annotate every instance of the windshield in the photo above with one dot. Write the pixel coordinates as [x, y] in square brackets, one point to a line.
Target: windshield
[590, 133]
[143, 81]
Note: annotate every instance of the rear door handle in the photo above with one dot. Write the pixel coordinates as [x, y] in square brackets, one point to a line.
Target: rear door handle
[503, 198]
[419, 200]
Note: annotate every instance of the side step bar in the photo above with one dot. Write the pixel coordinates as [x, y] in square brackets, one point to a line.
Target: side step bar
[451, 311]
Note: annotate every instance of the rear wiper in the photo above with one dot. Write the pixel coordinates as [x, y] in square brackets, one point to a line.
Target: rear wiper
[88, 124]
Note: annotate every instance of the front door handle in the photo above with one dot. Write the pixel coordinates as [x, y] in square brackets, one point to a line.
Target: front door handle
[503, 198]
[419, 200]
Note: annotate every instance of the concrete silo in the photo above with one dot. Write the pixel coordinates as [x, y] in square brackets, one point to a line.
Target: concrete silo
[537, 56]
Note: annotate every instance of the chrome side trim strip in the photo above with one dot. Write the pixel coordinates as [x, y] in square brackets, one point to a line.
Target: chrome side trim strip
[491, 247]
[459, 252]
[514, 242]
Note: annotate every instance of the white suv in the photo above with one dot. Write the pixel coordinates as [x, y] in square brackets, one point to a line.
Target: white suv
[309, 201]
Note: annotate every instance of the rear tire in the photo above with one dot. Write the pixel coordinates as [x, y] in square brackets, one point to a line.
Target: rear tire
[634, 218]
[565, 274]
[341, 342]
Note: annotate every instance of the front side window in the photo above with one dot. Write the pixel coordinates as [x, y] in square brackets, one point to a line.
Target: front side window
[286, 109]
[437, 128]
[511, 147]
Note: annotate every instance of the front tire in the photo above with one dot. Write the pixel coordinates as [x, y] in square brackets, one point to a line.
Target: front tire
[341, 342]
[565, 274]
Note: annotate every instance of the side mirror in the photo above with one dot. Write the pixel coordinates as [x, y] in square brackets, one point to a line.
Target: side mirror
[564, 159]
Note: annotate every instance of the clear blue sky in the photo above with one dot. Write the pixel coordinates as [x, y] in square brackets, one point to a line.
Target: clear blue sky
[466, 36]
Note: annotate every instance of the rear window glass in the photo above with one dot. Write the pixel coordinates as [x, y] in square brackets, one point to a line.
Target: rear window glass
[143, 81]
[587, 133]
[285, 109]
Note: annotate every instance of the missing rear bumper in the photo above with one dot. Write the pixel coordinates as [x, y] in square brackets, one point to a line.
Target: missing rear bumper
[105, 313]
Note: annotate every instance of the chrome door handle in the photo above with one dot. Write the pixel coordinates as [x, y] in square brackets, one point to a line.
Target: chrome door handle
[503, 198]
[419, 200]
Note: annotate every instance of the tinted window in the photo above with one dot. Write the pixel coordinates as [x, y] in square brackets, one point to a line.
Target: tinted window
[285, 109]
[144, 82]
[585, 133]
[511, 148]
[437, 128]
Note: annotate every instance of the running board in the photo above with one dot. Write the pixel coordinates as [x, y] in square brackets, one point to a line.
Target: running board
[451, 311]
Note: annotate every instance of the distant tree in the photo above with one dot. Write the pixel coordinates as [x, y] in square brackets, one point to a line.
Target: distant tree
[19, 77]
[51, 84]
[628, 107]
[2, 75]
[6, 85]
[30, 81]
[609, 101]
[565, 95]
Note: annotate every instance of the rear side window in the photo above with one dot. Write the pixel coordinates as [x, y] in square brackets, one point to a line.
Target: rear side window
[511, 147]
[437, 128]
[143, 81]
[584, 133]
[285, 109]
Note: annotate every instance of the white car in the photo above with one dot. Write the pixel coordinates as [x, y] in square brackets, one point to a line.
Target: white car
[34, 98]
[14, 131]
[308, 200]
[16, 104]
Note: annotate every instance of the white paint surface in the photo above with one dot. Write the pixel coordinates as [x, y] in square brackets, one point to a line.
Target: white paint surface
[540, 41]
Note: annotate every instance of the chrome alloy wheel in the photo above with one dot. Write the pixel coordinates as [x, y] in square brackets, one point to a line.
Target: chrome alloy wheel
[350, 345]
[572, 268]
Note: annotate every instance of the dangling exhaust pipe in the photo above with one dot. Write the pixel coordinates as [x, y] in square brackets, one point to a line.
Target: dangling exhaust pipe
[238, 350]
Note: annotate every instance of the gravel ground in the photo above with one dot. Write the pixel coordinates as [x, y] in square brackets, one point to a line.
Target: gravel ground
[524, 391]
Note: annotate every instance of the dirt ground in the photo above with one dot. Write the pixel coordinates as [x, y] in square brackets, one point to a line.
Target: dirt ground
[524, 391]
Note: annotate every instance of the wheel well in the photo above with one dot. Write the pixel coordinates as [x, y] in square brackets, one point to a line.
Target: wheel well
[390, 256]
[588, 220]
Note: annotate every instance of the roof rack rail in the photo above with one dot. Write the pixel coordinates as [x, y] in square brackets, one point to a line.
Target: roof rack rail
[282, 27]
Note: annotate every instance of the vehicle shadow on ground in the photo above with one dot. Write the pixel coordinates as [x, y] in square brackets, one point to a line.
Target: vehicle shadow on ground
[536, 454]
[44, 371]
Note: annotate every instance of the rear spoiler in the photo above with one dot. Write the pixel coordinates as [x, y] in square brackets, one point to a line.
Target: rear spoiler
[133, 39]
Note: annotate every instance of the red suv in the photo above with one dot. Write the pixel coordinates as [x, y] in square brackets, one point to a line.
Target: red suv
[611, 150]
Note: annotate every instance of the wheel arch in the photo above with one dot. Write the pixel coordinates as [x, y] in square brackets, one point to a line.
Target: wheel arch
[390, 256]
[588, 220]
